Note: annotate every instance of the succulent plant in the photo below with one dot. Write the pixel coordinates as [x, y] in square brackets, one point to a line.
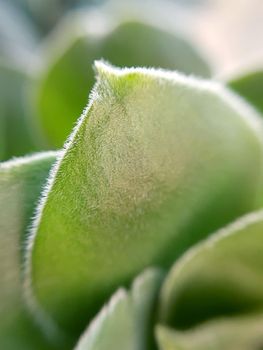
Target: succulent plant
[145, 231]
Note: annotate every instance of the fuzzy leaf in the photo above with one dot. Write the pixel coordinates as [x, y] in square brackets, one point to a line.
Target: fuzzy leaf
[220, 277]
[156, 163]
[68, 79]
[21, 181]
[242, 333]
[250, 86]
[125, 323]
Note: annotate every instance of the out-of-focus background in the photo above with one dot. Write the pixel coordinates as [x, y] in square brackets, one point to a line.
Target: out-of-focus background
[229, 31]
[47, 49]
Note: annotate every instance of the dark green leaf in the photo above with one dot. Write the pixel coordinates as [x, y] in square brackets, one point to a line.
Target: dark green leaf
[17, 132]
[218, 278]
[237, 333]
[250, 86]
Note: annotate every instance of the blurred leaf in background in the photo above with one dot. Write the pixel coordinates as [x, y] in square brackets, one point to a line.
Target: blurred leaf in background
[250, 86]
[17, 133]
[67, 77]
[18, 41]
[47, 13]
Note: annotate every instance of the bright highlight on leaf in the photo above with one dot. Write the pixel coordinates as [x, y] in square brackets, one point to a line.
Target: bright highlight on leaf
[157, 162]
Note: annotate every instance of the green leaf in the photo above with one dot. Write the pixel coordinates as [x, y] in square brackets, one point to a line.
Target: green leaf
[21, 181]
[68, 78]
[156, 163]
[126, 321]
[242, 333]
[250, 86]
[17, 133]
[220, 277]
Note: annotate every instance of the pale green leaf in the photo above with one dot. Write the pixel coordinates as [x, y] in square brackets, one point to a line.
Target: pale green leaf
[68, 77]
[237, 333]
[125, 323]
[21, 181]
[220, 277]
[156, 163]
[250, 86]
